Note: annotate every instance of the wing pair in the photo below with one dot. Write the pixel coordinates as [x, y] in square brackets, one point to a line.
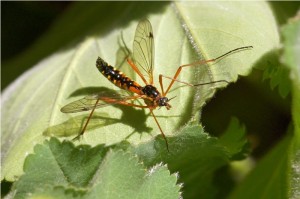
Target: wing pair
[143, 54]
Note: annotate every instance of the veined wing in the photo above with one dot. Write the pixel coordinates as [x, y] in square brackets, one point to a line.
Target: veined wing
[143, 49]
[103, 98]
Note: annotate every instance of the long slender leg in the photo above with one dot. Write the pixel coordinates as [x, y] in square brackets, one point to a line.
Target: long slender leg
[200, 62]
[189, 84]
[161, 85]
[126, 104]
[151, 111]
[112, 102]
[161, 131]
[88, 120]
[133, 66]
[134, 105]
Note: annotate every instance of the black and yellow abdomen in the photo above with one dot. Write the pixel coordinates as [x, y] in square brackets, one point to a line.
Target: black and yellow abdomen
[117, 77]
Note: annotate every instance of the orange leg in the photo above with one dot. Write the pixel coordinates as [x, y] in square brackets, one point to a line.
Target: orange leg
[133, 66]
[161, 85]
[186, 83]
[88, 120]
[194, 64]
[151, 111]
[161, 131]
[125, 104]
[112, 102]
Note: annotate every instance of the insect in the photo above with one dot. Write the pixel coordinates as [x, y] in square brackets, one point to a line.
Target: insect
[142, 64]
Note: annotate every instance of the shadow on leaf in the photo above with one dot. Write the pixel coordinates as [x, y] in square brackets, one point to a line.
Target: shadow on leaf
[136, 118]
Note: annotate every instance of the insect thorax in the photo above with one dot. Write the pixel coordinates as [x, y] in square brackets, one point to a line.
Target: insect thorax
[151, 91]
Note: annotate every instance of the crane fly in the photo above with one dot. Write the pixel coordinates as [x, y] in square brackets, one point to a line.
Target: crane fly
[142, 64]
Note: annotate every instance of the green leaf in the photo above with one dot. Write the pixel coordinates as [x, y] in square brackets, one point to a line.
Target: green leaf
[81, 172]
[77, 164]
[56, 193]
[270, 178]
[234, 139]
[199, 31]
[278, 75]
[195, 155]
[61, 164]
[121, 176]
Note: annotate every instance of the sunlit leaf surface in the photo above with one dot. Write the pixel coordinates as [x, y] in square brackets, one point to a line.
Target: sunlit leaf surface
[183, 33]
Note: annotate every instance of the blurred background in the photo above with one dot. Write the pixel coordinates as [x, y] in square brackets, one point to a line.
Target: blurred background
[33, 30]
[22, 23]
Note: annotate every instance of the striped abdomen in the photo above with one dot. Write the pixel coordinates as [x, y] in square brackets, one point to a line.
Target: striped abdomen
[117, 77]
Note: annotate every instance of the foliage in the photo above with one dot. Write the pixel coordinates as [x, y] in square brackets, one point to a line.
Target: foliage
[123, 155]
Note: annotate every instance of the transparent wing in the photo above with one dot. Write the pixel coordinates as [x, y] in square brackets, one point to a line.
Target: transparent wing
[103, 98]
[143, 49]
